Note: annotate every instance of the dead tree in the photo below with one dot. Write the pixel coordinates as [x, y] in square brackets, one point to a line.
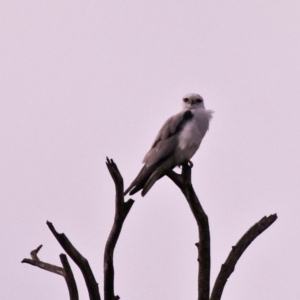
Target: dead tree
[122, 208]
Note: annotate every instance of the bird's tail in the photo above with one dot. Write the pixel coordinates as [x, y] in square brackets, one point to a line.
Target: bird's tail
[146, 174]
[141, 179]
[156, 175]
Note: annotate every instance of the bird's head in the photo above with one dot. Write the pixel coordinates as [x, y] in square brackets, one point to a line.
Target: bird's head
[192, 101]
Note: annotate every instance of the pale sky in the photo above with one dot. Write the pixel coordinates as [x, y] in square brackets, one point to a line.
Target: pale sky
[82, 80]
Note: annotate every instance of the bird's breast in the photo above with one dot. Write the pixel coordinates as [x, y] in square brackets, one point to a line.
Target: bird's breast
[190, 136]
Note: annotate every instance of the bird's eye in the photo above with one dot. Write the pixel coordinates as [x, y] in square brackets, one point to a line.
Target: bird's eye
[199, 100]
[185, 100]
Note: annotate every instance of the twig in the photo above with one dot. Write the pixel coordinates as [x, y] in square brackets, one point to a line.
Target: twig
[183, 181]
[80, 261]
[122, 209]
[35, 261]
[236, 252]
[66, 271]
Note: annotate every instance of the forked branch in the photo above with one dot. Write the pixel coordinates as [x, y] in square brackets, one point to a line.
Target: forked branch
[122, 209]
[35, 261]
[66, 271]
[183, 181]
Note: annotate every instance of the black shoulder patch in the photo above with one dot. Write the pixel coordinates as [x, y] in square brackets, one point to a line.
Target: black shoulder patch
[188, 115]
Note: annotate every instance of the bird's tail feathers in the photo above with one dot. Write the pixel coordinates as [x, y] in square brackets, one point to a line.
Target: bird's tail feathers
[145, 175]
[156, 175]
[139, 182]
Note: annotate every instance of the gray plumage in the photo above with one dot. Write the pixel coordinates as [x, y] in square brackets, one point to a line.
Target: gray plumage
[176, 143]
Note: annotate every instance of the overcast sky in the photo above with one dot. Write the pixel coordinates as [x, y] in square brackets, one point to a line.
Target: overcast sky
[82, 80]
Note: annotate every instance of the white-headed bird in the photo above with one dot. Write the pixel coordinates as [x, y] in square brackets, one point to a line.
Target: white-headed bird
[176, 143]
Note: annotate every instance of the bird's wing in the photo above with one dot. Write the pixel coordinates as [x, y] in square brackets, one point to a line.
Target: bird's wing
[167, 138]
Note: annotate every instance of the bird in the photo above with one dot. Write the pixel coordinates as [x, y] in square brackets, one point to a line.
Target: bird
[176, 143]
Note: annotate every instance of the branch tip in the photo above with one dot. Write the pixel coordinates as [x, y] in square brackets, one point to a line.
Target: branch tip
[228, 267]
[122, 209]
[79, 260]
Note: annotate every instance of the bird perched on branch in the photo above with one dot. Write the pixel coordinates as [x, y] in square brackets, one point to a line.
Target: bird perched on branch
[176, 143]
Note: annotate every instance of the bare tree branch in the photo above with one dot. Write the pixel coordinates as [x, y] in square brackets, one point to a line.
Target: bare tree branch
[35, 261]
[69, 277]
[236, 252]
[80, 261]
[183, 181]
[66, 271]
[122, 209]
